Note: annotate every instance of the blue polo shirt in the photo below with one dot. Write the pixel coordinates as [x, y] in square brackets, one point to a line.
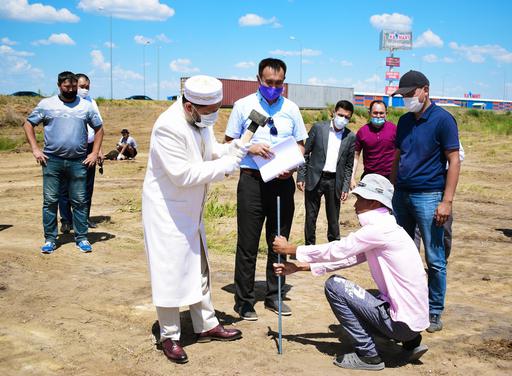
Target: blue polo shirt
[287, 120]
[422, 144]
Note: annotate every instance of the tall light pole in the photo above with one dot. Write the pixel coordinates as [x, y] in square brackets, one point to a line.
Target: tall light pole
[101, 9]
[144, 63]
[158, 72]
[300, 46]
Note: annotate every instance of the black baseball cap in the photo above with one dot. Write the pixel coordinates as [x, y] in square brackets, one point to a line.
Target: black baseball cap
[124, 130]
[411, 81]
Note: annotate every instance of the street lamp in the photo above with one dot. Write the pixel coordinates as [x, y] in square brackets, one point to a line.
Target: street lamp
[111, 46]
[144, 63]
[300, 46]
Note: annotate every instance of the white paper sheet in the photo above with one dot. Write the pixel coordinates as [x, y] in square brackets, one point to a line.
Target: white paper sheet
[287, 156]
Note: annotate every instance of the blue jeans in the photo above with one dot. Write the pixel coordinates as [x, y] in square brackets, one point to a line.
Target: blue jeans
[65, 204]
[72, 172]
[362, 315]
[418, 208]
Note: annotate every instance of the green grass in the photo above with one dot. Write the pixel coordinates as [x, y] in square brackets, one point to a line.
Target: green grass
[8, 143]
[216, 209]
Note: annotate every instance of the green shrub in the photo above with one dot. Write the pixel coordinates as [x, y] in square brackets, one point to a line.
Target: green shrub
[216, 209]
[8, 143]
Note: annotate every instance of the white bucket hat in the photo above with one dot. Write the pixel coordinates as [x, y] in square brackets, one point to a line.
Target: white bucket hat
[375, 187]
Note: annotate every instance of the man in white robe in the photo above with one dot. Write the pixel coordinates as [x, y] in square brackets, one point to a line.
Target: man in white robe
[184, 158]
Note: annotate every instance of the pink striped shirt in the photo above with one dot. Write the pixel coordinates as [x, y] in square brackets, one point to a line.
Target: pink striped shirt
[393, 259]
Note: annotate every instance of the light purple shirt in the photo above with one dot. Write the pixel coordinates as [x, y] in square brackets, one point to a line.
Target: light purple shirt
[393, 259]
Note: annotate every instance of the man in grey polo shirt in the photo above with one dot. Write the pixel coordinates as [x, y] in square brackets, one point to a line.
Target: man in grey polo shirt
[64, 157]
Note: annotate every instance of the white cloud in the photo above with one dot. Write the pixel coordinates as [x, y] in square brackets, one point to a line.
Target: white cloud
[305, 52]
[163, 38]
[246, 78]
[98, 60]
[119, 73]
[61, 38]
[391, 22]
[323, 82]
[140, 39]
[245, 64]
[9, 51]
[251, 19]
[107, 44]
[21, 10]
[375, 78]
[182, 66]
[8, 42]
[433, 58]
[140, 10]
[478, 53]
[346, 63]
[428, 39]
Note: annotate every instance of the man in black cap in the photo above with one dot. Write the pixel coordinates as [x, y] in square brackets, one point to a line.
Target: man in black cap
[127, 147]
[427, 137]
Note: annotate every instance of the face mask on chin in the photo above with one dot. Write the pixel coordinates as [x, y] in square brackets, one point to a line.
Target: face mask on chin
[413, 104]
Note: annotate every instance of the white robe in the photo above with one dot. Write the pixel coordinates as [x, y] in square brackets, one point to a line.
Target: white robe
[182, 162]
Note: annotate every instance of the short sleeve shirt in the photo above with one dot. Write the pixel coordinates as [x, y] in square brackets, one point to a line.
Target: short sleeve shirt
[422, 143]
[285, 115]
[65, 125]
[378, 146]
[129, 141]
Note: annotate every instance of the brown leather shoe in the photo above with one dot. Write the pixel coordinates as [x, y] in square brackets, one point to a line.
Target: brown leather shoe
[174, 352]
[219, 333]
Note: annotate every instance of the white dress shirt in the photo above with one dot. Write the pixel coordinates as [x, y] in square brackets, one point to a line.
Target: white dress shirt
[333, 148]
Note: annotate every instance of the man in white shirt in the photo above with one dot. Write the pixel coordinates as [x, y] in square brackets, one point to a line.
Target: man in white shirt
[329, 154]
[127, 147]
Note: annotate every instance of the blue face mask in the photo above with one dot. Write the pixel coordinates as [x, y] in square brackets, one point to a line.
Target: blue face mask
[270, 93]
[378, 122]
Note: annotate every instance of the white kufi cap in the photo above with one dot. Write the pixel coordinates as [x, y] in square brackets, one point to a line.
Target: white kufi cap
[203, 90]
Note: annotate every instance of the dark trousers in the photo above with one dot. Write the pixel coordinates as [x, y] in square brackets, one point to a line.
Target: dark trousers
[64, 203]
[326, 187]
[256, 203]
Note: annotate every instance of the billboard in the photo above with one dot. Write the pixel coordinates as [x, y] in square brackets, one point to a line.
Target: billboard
[392, 62]
[391, 89]
[395, 40]
[392, 75]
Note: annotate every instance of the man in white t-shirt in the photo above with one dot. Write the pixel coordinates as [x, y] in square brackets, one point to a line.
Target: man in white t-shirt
[127, 147]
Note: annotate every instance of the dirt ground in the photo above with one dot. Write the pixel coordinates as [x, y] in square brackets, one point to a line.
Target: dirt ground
[91, 314]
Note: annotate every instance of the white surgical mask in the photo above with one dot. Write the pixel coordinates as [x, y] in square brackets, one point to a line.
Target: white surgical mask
[413, 104]
[340, 122]
[207, 120]
[83, 93]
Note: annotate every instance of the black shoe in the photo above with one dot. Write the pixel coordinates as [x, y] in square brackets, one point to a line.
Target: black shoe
[273, 306]
[247, 312]
[65, 228]
[435, 323]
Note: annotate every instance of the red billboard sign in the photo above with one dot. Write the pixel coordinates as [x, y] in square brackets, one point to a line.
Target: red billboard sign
[391, 89]
[392, 62]
[392, 75]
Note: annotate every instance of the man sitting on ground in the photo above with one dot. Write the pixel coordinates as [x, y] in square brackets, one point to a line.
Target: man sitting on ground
[127, 147]
[400, 311]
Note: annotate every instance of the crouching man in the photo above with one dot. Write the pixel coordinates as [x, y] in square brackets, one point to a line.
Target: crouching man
[400, 311]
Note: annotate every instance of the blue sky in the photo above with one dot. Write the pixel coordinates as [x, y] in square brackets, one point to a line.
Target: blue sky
[461, 46]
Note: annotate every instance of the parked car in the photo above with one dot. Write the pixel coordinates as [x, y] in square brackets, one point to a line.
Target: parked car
[140, 98]
[25, 94]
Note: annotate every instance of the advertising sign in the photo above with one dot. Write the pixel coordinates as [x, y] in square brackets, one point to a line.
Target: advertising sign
[392, 61]
[395, 40]
[391, 89]
[392, 75]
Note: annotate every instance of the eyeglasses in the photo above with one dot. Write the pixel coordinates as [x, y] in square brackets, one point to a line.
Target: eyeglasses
[273, 129]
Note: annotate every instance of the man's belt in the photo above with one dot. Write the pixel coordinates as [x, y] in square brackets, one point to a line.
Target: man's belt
[328, 175]
[250, 171]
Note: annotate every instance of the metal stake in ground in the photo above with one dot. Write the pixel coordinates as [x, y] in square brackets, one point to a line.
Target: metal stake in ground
[279, 297]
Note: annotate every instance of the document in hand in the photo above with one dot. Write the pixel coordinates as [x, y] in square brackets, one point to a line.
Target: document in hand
[287, 156]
